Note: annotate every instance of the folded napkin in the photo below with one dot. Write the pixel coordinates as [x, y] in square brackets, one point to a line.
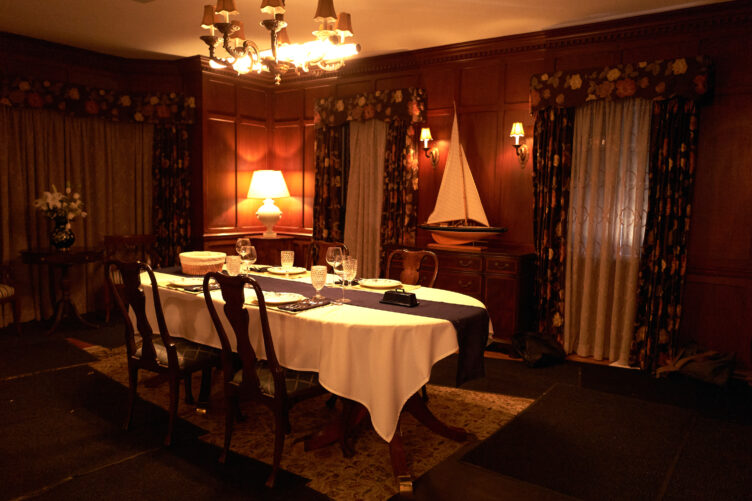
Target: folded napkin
[194, 289]
[305, 304]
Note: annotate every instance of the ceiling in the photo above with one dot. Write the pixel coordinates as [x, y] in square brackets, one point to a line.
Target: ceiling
[168, 29]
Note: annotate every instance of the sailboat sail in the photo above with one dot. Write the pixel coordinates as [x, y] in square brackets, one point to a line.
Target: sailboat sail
[458, 197]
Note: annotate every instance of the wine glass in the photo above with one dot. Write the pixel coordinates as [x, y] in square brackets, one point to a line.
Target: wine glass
[318, 279]
[333, 256]
[287, 258]
[242, 247]
[349, 270]
[252, 256]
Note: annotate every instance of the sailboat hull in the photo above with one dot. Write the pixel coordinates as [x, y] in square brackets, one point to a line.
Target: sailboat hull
[459, 235]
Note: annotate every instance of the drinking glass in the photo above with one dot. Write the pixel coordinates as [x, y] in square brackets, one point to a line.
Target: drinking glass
[318, 279]
[349, 270]
[334, 256]
[252, 254]
[242, 247]
[287, 258]
[233, 265]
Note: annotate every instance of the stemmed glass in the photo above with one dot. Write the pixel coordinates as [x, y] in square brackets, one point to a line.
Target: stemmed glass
[287, 258]
[252, 256]
[318, 279]
[243, 248]
[334, 259]
[349, 270]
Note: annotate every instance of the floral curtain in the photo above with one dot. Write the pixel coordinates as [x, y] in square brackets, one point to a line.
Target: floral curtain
[171, 178]
[332, 152]
[673, 142]
[385, 105]
[399, 212]
[657, 80]
[552, 165]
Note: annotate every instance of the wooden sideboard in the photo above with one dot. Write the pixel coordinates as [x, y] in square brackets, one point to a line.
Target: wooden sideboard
[501, 278]
[267, 249]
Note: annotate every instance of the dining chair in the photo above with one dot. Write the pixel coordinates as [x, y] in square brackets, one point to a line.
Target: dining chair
[317, 252]
[413, 263]
[266, 382]
[127, 248]
[8, 295]
[176, 357]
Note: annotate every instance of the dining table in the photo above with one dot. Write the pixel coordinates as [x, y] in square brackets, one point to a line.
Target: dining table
[373, 355]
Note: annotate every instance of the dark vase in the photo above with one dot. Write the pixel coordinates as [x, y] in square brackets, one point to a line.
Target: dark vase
[61, 237]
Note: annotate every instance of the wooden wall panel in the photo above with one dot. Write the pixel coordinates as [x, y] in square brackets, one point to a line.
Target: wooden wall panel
[398, 82]
[219, 96]
[479, 85]
[288, 104]
[252, 155]
[516, 182]
[352, 88]
[440, 83]
[252, 103]
[312, 94]
[219, 174]
[478, 134]
[287, 147]
[517, 79]
[309, 176]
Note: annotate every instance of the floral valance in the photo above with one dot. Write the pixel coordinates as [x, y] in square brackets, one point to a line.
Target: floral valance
[687, 77]
[78, 100]
[386, 105]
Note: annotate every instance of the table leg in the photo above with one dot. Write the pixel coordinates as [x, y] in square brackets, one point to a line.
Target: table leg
[64, 303]
[418, 408]
[399, 464]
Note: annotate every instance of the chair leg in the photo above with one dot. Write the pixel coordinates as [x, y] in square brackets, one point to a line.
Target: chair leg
[174, 398]
[132, 394]
[107, 301]
[17, 315]
[279, 442]
[205, 391]
[188, 389]
[231, 408]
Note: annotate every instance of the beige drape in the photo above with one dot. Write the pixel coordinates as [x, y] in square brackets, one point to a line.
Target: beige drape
[108, 163]
[608, 203]
[365, 194]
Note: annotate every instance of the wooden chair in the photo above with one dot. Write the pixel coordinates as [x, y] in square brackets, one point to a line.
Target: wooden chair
[8, 295]
[412, 262]
[161, 353]
[265, 382]
[127, 248]
[317, 252]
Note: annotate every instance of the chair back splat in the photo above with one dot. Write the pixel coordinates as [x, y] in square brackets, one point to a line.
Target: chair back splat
[413, 263]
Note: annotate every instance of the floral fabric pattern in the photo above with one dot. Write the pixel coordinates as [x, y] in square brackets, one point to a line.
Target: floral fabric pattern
[399, 220]
[171, 174]
[80, 101]
[673, 143]
[657, 80]
[386, 105]
[332, 157]
[552, 167]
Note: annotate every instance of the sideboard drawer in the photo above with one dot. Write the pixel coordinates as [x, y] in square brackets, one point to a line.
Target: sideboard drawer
[464, 262]
[465, 283]
[500, 264]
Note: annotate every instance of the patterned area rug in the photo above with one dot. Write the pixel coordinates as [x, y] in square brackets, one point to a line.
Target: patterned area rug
[368, 475]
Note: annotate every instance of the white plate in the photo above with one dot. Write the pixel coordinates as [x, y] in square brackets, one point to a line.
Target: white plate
[278, 270]
[186, 281]
[277, 298]
[379, 283]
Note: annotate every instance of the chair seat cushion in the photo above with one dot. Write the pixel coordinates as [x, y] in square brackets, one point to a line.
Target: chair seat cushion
[6, 291]
[295, 381]
[191, 356]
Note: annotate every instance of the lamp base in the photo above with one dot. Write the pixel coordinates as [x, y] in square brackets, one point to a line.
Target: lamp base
[269, 214]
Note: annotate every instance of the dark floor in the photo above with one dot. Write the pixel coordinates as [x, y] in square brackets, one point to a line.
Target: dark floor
[61, 436]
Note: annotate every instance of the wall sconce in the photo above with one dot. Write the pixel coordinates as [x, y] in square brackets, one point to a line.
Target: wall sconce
[520, 149]
[431, 153]
[267, 185]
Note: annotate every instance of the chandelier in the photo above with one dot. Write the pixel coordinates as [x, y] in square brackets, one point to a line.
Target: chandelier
[326, 52]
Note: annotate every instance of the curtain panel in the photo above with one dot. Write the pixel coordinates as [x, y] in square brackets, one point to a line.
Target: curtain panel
[658, 80]
[673, 144]
[399, 215]
[171, 173]
[552, 165]
[332, 158]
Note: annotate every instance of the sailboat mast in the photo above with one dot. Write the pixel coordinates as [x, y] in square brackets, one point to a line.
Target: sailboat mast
[464, 191]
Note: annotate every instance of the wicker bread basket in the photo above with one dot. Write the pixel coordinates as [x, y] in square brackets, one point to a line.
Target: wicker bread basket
[201, 262]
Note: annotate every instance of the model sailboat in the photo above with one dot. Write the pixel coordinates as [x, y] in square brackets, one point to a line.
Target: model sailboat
[458, 217]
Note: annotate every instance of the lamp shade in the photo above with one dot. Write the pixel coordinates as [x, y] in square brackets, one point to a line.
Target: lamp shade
[325, 12]
[267, 184]
[282, 37]
[208, 20]
[273, 7]
[237, 31]
[226, 7]
[425, 134]
[517, 130]
[344, 25]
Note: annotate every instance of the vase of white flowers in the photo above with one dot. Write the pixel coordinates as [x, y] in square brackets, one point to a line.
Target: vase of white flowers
[61, 208]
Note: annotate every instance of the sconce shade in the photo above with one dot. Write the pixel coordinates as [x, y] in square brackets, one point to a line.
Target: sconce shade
[282, 37]
[517, 130]
[226, 7]
[267, 184]
[273, 7]
[344, 25]
[425, 135]
[208, 20]
[325, 12]
[239, 32]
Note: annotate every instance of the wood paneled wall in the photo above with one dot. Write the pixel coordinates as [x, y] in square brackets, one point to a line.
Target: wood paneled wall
[488, 80]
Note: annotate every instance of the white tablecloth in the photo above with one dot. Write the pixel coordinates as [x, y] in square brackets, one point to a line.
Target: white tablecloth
[374, 357]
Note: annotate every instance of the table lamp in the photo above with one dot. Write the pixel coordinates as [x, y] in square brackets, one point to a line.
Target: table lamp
[268, 185]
